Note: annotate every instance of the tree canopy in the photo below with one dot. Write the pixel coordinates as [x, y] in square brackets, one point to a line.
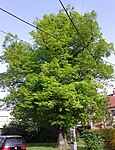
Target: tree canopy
[57, 80]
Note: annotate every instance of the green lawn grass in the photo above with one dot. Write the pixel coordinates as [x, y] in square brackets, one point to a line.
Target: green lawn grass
[49, 146]
[41, 146]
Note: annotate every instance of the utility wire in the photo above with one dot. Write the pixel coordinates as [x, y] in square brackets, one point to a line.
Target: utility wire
[71, 20]
[109, 62]
[85, 45]
[24, 21]
[47, 32]
[3, 32]
[13, 37]
[31, 45]
[80, 34]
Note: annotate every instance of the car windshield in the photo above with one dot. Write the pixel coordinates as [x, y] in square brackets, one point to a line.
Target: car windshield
[13, 141]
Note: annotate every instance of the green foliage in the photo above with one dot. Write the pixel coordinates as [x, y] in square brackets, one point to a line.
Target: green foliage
[97, 138]
[57, 81]
[15, 128]
[109, 138]
[93, 140]
[40, 134]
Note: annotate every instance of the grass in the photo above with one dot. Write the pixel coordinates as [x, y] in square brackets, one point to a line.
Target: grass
[49, 146]
[80, 145]
[41, 146]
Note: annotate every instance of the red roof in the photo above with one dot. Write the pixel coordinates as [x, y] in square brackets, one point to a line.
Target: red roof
[112, 101]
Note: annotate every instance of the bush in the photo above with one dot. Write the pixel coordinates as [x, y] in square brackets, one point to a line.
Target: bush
[43, 134]
[93, 140]
[109, 138]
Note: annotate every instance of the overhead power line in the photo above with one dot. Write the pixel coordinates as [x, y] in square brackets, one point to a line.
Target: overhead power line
[85, 45]
[3, 32]
[71, 20]
[30, 44]
[77, 31]
[16, 37]
[24, 21]
[109, 62]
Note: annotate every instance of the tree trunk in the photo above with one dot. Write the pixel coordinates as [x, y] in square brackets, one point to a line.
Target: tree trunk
[62, 139]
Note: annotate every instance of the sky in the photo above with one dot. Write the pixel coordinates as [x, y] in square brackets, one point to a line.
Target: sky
[30, 9]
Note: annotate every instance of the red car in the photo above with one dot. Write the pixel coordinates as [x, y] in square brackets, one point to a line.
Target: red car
[12, 142]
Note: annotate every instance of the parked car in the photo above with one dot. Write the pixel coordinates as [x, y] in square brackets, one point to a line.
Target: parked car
[12, 142]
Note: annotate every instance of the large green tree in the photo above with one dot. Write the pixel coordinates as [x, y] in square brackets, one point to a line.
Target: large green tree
[57, 81]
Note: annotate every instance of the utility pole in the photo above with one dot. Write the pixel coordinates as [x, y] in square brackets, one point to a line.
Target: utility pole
[73, 144]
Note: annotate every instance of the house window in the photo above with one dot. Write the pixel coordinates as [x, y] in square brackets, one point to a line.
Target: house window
[113, 112]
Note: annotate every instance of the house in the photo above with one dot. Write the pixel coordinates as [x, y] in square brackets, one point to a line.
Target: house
[111, 105]
[5, 117]
[109, 120]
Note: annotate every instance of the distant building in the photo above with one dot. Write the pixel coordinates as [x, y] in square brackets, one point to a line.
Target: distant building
[110, 121]
[111, 105]
[5, 117]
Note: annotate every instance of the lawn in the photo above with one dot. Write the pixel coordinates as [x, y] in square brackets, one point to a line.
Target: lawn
[41, 146]
[48, 146]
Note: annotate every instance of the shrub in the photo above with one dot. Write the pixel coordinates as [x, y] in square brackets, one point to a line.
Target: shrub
[109, 138]
[93, 140]
[43, 134]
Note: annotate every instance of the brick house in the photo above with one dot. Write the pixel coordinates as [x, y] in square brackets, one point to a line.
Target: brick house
[109, 121]
[111, 105]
